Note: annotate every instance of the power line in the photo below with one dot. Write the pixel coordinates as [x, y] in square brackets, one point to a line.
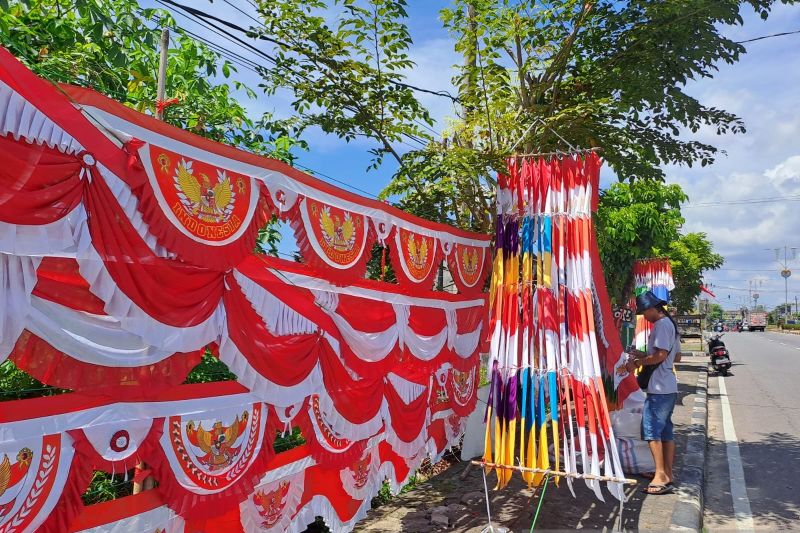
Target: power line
[765, 200]
[204, 15]
[770, 36]
[215, 47]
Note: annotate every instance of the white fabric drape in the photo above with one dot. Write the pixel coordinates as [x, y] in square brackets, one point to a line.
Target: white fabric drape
[17, 280]
[95, 339]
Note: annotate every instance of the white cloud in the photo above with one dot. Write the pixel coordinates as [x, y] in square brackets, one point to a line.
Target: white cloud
[762, 163]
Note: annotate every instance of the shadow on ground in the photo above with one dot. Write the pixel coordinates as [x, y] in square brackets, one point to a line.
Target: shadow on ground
[770, 466]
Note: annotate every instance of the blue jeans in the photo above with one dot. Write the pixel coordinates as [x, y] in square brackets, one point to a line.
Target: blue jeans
[657, 417]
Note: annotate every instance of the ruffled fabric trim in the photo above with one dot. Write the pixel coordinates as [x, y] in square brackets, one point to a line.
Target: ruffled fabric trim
[321, 506]
[70, 503]
[86, 453]
[54, 239]
[22, 119]
[279, 318]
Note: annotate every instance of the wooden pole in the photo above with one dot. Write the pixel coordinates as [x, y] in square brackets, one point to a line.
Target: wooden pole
[162, 73]
[148, 482]
[556, 473]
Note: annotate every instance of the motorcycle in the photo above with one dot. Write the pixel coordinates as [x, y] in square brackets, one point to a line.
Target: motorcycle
[720, 357]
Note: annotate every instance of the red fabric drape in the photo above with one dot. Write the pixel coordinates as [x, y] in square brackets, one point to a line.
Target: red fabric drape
[38, 184]
[357, 400]
[407, 419]
[57, 369]
[285, 360]
[168, 290]
[58, 280]
[426, 321]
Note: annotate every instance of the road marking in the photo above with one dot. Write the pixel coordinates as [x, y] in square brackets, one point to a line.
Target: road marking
[741, 503]
[783, 344]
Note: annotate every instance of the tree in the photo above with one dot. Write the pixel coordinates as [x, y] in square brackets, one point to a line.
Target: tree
[690, 256]
[634, 221]
[640, 220]
[592, 73]
[346, 76]
[112, 46]
[715, 313]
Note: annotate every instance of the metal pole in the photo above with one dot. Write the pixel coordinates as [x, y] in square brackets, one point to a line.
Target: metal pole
[162, 73]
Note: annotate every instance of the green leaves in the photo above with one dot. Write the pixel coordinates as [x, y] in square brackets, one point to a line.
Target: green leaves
[600, 73]
[643, 219]
[346, 74]
[112, 46]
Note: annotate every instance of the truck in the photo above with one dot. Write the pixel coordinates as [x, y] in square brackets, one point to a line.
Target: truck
[755, 321]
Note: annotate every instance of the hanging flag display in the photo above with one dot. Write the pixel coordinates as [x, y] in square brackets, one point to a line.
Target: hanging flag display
[550, 346]
[652, 274]
[126, 254]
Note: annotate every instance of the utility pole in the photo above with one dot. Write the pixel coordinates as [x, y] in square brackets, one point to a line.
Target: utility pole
[149, 483]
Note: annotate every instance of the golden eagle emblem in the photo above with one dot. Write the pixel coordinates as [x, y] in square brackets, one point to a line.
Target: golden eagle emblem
[217, 442]
[13, 473]
[271, 503]
[360, 470]
[418, 252]
[470, 261]
[337, 233]
[208, 202]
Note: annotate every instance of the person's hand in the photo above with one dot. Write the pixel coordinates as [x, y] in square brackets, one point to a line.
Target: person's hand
[627, 368]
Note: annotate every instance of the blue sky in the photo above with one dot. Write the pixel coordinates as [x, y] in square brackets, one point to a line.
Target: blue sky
[762, 163]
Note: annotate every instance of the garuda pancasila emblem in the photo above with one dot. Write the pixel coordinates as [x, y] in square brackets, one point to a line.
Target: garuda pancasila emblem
[418, 252]
[469, 261]
[270, 504]
[13, 473]
[208, 202]
[360, 471]
[338, 234]
[217, 443]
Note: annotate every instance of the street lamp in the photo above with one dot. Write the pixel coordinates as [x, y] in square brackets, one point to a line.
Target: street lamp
[754, 285]
[785, 274]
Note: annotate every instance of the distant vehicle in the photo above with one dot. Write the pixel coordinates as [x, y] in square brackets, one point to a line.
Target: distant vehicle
[757, 320]
[720, 357]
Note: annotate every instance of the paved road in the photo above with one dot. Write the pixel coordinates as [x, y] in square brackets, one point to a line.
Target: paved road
[754, 441]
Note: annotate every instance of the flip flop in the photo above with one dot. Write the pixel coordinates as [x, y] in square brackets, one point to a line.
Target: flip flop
[647, 475]
[658, 489]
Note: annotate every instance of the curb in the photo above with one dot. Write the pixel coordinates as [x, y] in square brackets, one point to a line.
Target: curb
[688, 512]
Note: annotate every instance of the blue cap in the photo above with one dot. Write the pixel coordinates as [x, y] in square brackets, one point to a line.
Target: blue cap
[646, 301]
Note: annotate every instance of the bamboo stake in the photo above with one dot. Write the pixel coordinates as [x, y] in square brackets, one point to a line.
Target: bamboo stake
[149, 483]
[557, 473]
[162, 73]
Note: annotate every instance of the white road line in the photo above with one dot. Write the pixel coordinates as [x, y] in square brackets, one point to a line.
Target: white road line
[741, 503]
[783, 344]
